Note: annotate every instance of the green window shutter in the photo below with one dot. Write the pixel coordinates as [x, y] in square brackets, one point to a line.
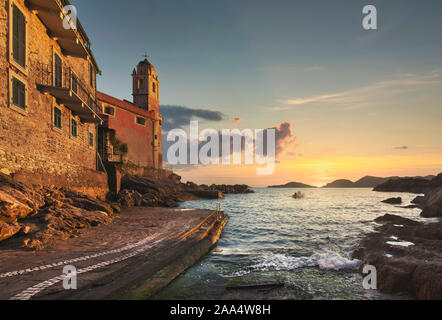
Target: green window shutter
[74, 82]
[18, 93]
[74, 131]
[58, 71]
[18, 37]
[91, 139]
[57, 118]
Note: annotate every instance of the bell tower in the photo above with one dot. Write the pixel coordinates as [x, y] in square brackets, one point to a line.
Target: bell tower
[146, 87]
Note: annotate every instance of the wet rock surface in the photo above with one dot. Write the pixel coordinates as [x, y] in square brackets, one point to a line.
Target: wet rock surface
[407, 255]
[393, 200]
[432, 203]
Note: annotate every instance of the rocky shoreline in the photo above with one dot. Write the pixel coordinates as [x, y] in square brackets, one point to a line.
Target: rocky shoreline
[34, 216]
[407, 254]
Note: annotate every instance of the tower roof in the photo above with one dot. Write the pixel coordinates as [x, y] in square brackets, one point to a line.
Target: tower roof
[144, 66]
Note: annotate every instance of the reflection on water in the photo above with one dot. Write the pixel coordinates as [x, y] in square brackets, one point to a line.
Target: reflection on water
[304, 243]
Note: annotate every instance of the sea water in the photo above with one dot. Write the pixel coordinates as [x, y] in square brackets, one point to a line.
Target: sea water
[306, 244]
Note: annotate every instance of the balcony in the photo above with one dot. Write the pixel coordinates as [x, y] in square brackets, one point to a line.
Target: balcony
[74, 42]
[69, 91]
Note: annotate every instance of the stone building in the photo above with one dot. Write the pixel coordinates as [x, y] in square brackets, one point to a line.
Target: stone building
[131, 132]
[49, 115]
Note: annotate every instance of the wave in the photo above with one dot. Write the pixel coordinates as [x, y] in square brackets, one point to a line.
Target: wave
[327, 260]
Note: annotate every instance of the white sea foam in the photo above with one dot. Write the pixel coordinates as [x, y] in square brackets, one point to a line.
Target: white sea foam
[328, 260]
[400, 243]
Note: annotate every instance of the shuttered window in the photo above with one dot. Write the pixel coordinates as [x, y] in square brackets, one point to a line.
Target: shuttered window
[57, 118]
[18, 36]
[74, 129]
[18, 93]
[58, 71]
[74, 83]
[91, 139]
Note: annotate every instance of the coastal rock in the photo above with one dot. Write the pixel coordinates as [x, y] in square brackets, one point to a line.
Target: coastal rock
[176, 179]
[410, 184]
[406, 254]
[427, 279]
[63, 223]
[397, 220]
[144, 191]
[89, 204]
[418, 200]
[432, 204]
[45, 214]
[12, 209]
[231, 189]
[7, 230]
[393, 200]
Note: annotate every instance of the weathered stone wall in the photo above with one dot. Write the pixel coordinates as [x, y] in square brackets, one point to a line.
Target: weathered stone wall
[28, 139]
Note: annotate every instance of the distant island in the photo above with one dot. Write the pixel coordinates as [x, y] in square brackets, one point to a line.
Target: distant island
[365, 182]
[292, 185]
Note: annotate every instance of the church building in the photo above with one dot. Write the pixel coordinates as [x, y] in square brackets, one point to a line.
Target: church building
[131, 131]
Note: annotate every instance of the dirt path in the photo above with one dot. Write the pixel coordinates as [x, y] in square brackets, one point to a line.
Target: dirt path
[140, 252]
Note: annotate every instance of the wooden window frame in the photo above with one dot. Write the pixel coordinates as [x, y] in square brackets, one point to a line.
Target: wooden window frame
[55, 54]
[11, 93]
[71, 127]
[23, 10]
[53, 118]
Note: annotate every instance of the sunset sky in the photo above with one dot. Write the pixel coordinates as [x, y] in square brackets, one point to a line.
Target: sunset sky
[348, 102]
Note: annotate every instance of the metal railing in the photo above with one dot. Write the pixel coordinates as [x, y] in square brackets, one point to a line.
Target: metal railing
[66, 79]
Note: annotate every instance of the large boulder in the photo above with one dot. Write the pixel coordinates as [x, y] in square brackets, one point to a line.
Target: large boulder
[397, 200]
[427, 279]
[7, 230]
[432, 204]
[17, 200]
[140, 184]
[12, 209]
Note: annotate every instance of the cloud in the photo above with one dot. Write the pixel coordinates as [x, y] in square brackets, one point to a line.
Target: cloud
[236, 120]
[285, 137]
[359, 97]
[284, 141]
[401, 148]
[180, 116]
[312, 99]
